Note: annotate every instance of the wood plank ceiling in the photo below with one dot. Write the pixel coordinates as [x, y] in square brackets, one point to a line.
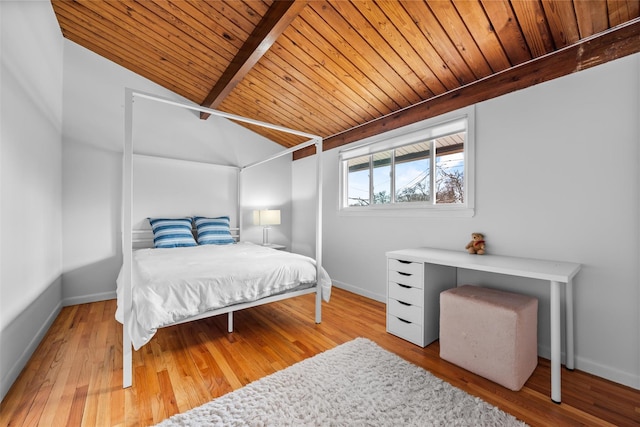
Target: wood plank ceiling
[348, 69]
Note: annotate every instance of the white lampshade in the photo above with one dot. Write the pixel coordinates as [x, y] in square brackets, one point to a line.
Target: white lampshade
[266, 217]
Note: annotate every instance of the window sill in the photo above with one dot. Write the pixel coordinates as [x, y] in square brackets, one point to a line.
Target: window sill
[416, 212]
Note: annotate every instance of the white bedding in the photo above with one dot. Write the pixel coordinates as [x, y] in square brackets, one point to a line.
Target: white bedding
[169, 285]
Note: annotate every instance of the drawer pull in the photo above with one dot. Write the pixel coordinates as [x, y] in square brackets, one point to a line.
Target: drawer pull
[404, 274]
[404, 303]
[404, 261]
[402, 320]
[404, 286]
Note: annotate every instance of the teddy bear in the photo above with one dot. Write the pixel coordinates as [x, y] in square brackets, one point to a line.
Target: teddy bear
[476, 245]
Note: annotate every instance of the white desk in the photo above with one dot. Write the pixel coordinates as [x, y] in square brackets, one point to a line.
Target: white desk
[557, 273]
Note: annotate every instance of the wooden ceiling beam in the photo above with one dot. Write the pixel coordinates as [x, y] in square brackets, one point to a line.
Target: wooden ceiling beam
[610, 45]
[271, 26]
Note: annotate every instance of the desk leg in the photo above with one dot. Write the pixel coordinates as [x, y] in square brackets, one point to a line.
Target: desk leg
[556, 355]
[570, 363]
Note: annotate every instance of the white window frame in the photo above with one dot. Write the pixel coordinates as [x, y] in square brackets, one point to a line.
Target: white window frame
[406, 135]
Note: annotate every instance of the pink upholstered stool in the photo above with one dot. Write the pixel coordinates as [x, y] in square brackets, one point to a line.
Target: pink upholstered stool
[491, 333]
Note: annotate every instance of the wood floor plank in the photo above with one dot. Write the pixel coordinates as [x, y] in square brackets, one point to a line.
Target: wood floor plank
[75, 376]
[228, 376]
[77, 406]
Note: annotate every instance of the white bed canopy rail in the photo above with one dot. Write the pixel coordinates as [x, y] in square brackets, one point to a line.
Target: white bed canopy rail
[127, 203]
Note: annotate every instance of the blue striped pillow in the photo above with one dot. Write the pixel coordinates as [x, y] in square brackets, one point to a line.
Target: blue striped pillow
[172, 232]
[213, 231]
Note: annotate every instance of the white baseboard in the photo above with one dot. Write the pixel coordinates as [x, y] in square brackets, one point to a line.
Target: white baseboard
[84, 299]
[17, 367]
[360, 291]
[625, 378]
[609, 373]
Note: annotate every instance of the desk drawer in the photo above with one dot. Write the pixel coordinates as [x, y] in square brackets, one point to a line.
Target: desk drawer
[406, 266]
[413, 280]
[409, 331]
[410, 312]
[406, 294]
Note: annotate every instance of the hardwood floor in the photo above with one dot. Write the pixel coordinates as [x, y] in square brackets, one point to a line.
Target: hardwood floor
[75, 376]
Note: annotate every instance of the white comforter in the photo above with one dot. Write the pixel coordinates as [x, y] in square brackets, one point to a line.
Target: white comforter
[169, 285]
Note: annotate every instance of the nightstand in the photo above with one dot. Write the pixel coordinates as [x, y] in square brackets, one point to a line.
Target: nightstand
[276, 247]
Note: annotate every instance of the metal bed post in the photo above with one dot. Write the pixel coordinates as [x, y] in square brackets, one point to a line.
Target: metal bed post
[318, 227]
[127, 250]
[240, 231]
[239, 202]
[127, 203]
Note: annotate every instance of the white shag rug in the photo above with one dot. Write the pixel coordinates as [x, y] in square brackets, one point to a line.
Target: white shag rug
[355, 384]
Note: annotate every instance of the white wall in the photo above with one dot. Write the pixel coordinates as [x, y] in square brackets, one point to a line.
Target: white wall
[557, 177]
[30, 170]
[94, 93]
[304, 205]
[177, 188]
[268, 186]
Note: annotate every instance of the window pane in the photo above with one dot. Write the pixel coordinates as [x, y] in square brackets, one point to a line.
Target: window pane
[450, 169]
[420, 170]
[413, 173]
[382, 178]
[358, 181]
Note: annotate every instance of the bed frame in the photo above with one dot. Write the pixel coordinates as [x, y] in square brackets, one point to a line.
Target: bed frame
[143, 238]
[133, 239]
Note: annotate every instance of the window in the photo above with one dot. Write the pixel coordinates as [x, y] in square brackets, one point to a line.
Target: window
[426, 166]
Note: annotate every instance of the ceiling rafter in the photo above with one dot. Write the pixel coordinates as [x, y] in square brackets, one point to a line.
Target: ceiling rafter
[613, 44]
[271, 26]
[344, 68]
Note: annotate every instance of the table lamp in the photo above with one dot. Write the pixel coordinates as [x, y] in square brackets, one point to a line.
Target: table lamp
[266, 218]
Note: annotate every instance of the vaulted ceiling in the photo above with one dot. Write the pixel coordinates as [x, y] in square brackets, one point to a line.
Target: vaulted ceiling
[349, 69]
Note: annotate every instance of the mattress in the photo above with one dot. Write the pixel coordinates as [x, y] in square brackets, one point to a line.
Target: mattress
[173, 284]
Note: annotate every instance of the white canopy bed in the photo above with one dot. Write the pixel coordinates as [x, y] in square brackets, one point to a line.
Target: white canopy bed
[154, 288]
